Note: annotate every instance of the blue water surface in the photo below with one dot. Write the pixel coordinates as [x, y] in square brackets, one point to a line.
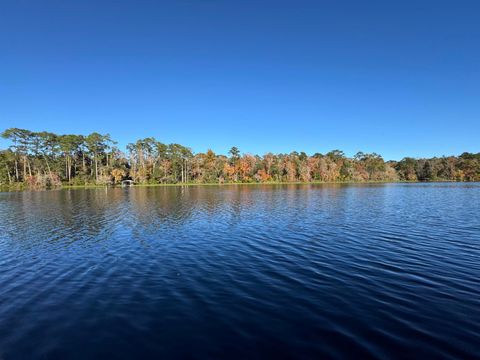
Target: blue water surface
[251, 272]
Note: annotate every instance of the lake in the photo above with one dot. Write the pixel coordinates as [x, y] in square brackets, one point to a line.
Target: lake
[252, 272]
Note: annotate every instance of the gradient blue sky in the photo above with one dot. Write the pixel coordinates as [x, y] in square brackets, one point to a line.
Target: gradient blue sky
[401, 78]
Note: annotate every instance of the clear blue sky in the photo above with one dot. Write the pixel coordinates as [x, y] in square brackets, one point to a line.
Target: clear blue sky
[401, 78]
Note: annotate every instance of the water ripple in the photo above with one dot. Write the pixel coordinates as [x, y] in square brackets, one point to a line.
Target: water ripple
[373, 271]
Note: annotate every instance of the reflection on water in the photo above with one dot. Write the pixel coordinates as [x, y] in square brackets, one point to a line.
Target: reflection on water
[241, 271]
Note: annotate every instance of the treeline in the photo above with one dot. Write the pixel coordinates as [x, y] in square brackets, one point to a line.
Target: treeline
[44, 159]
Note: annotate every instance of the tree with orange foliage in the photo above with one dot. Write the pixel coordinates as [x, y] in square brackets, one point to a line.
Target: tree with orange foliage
[229, 171]
[262, 176]
[246, 166]
[118, 175]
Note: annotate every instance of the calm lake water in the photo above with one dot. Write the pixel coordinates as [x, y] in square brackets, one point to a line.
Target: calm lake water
[297, 271]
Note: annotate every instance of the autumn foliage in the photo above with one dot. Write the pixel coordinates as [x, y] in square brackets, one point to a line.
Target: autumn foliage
[43, 159]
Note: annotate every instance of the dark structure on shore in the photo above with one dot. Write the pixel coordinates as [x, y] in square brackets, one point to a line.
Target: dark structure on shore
[127, 183]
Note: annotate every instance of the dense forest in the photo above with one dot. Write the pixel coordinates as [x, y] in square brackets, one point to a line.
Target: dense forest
[44, 159]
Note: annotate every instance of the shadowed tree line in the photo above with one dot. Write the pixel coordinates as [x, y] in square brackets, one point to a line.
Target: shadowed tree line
[44, 159]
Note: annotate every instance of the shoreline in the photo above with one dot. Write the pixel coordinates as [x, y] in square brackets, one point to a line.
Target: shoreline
[21, 187]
